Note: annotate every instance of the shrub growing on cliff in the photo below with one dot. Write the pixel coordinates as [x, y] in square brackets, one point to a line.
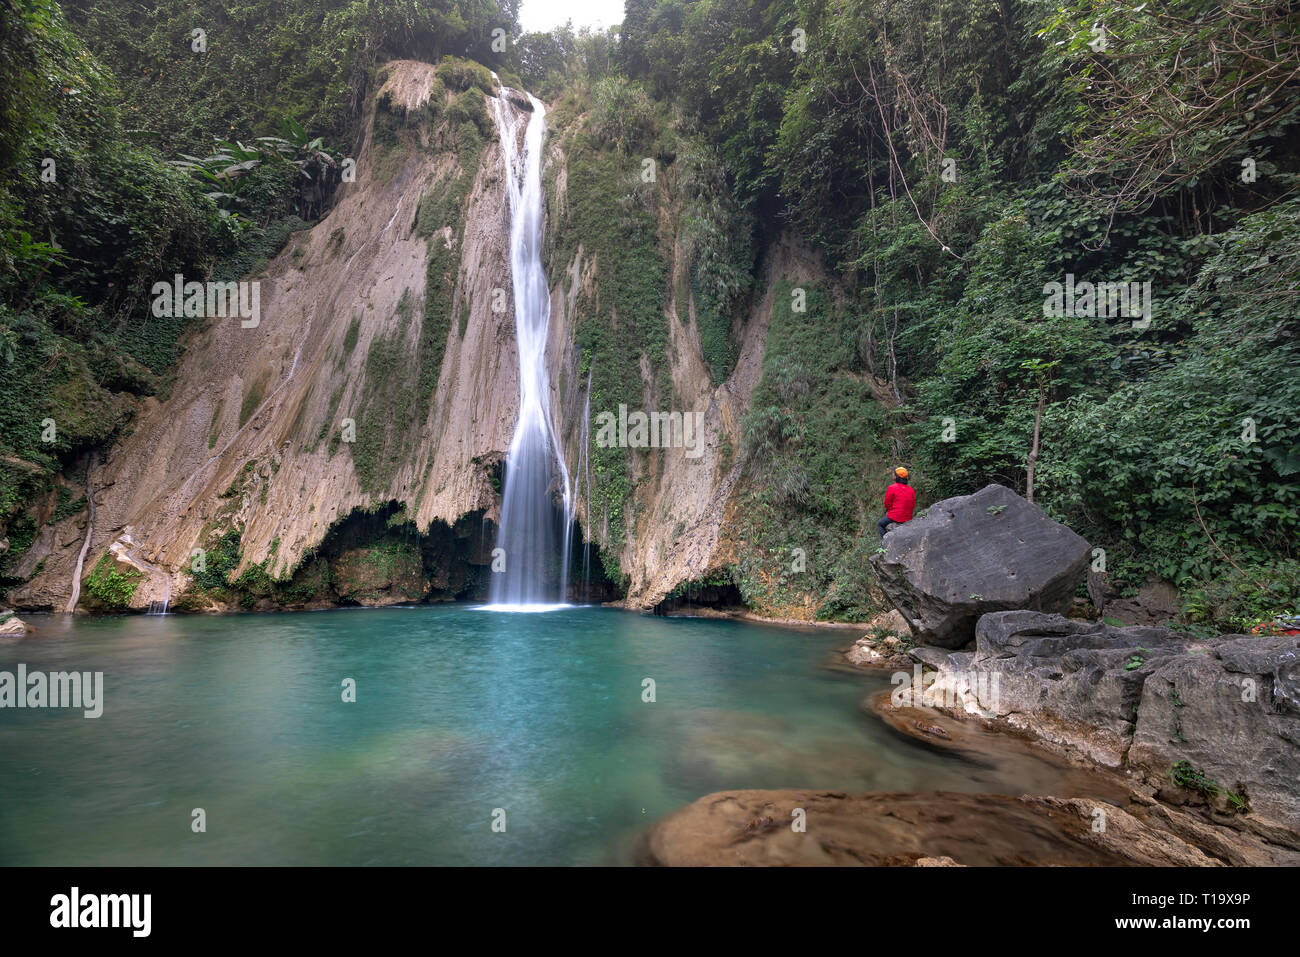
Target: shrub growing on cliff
[718, 239]
[622, 115]
[112, 587]
[458, 73]
[470, 107]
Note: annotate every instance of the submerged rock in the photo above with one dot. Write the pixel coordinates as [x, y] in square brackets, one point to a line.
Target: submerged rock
[974, 554]
[905, 829]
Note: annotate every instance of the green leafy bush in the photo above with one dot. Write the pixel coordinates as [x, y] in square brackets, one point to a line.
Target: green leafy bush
[110, 586]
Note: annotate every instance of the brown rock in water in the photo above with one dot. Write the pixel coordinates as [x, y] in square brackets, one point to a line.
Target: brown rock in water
[863, 652]
[904, 829]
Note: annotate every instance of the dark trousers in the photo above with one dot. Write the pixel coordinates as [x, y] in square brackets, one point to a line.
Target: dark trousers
[883, 525]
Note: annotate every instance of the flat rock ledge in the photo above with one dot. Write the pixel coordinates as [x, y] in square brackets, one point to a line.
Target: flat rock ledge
[940, 828]
[1221, 714]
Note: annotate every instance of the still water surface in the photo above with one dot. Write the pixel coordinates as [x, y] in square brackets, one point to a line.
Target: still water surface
[459, 711]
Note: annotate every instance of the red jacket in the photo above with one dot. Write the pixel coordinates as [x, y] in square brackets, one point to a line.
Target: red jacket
[900, 500]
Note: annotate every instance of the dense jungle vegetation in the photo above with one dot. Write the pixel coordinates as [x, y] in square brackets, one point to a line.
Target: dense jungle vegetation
[946, 159]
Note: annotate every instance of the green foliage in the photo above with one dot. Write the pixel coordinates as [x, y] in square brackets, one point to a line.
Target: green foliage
[1183, 775]
[457, 73]
[1241, 598]
[1184, 470]
[946, 159]
[385, 414]
[470, 107]
[67, 505]
[1135, 661]
[260, 179]
[718, 579]
[350, 337]
[252, 399]
[552, 64]
[611, 213]
[717, 235]
[729, 65]
[310, 581]
[387, 561]
[312, 63]
[110, 586]
[78, 340]
[87, 221]
[440, 285]
[946, 274]
[816, 465]
[621, 114]
[1182, 90]
[220, 560]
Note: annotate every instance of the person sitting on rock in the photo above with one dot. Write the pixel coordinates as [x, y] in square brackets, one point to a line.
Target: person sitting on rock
[900, 500]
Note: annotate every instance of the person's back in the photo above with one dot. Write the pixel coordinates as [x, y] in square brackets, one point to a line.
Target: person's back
[900, 501]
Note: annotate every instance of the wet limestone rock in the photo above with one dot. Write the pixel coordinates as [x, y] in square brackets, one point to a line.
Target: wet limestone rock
[1209, 722]
[975, 554]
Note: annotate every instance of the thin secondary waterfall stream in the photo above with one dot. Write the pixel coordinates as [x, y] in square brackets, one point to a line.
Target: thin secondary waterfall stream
[534, 550]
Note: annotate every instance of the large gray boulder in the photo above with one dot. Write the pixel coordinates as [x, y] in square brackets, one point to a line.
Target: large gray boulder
[975, 554]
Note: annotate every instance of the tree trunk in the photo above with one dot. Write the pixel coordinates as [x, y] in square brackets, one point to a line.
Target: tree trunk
[1033, 451]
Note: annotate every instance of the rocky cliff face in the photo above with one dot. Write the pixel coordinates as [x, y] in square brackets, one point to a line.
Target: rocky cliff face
[379, 379]
[682, 526]
[252, 436]
[677, 523]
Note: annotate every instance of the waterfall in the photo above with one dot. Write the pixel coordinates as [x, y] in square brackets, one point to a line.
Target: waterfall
[160, 607]
[528, 535]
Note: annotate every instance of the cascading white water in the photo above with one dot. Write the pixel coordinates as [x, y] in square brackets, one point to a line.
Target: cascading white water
[528, 532]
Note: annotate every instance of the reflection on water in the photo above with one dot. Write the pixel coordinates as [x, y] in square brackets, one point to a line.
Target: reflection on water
[457, 713]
